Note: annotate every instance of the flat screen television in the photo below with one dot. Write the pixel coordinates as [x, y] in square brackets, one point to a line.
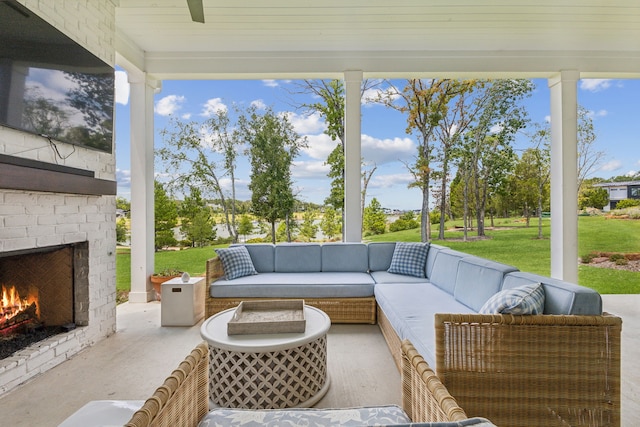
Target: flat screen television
[50, 85]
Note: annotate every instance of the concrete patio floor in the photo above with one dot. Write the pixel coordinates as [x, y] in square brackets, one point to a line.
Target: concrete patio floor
[133, 362]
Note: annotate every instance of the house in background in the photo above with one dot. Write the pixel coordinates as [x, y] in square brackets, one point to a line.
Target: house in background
[620, 191]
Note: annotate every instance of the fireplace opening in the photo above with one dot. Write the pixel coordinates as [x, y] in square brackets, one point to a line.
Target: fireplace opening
[44, 292]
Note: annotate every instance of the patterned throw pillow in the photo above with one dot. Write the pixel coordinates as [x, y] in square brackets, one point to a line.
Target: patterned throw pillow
[409, 259]
[526, 299]
[236, 262]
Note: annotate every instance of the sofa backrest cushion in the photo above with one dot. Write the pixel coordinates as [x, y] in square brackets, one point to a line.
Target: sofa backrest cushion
[445, 269]
[262, 255]
[431, 258]
[560, 297]
[478, 279]
[380, 254]
[345, 257]
[298, 258]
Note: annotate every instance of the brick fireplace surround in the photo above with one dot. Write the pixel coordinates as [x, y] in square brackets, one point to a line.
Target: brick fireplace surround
[35, 219]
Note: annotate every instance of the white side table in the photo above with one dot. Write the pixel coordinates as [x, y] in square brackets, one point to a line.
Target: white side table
[267, 371]
[182, 303]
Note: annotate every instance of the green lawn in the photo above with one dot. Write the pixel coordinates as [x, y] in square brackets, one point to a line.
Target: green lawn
[511, 242]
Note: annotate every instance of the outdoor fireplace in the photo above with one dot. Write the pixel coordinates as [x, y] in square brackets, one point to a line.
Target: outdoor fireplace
[43, 292]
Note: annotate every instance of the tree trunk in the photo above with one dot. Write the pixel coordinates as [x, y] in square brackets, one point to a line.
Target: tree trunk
[273, 232]
[425, 223]
[443, 198]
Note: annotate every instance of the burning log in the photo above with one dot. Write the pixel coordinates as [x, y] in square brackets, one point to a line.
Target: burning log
[29, 314]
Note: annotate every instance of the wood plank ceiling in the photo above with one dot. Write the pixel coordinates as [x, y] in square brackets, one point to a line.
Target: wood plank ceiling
[285, 38]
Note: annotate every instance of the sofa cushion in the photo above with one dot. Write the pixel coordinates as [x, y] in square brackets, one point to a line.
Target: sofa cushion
[296, 285]
[431, 258]
[386, 277]
[478, 279]
[380, 254]
[236, 262]
[262, 255]
[345, 257]
[366, 416]
[410, 308]
[525, 299]
[298, 258]
[560, 297]
[445, 269]
[409, 258]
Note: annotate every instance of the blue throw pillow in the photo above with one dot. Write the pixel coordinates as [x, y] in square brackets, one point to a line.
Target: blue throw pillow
[236, 262]
[525, 299]
[409, 259]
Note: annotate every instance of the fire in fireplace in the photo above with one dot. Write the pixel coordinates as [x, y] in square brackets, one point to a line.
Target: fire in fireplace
[44, 292]
[17, 313]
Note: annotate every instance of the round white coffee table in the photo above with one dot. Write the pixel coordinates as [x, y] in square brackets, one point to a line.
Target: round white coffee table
[267, 371]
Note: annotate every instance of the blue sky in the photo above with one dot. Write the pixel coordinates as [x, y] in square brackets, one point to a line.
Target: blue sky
[613, 104]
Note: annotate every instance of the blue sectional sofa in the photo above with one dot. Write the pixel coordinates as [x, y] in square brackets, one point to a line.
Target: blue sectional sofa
[513, 368]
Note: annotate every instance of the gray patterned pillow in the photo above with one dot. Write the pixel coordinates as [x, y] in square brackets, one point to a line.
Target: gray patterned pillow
[236, 262]
[409, 258]
[525, 299]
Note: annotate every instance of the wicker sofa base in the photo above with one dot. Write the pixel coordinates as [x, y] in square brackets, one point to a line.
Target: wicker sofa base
[339, 310]
[543, 370]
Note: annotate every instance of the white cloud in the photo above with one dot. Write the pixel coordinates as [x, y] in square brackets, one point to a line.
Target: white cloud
[309, 169]
[386, 150]
[370, 96]
[595, 85]
[186, 116]
[169, 104]
[123, 178]
[319, 146]
[632, 173]
[390, 180]
[306, 124]
[611, 166]
[122, 88]
[212, 106]
[270, 83]
[259, 104]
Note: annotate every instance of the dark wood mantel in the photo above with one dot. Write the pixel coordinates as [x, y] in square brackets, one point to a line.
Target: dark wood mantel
[32, 175]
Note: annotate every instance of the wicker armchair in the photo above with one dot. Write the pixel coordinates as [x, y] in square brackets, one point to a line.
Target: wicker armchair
[183, 398]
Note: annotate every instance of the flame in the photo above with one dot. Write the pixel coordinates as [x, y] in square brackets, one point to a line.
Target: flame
[12, 303]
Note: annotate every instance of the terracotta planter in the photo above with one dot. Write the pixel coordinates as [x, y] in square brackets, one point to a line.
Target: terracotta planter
[157, 282]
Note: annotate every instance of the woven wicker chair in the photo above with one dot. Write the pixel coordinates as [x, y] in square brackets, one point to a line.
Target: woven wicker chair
[183, 398]
[339, 310]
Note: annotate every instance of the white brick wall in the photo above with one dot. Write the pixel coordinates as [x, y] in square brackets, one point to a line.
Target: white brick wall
[36, 219]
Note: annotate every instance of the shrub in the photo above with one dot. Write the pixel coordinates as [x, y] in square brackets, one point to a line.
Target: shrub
[616, 257]
[627, 203]
[586, 259]
[622, 261]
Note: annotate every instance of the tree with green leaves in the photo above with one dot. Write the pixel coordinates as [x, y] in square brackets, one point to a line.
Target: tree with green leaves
[425, 102]
[121, 230]
[488, 141]
[166, 217]
[375, 220]
[308, 228]
[246, 226]
[205, 153]
[197, 222]
[592, 197]
[330, 224]
[273, 145]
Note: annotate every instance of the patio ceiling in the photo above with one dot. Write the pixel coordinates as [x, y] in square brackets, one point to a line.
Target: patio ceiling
[404, 38]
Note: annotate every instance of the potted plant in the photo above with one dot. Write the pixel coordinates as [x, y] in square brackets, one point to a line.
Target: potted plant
[158, 278]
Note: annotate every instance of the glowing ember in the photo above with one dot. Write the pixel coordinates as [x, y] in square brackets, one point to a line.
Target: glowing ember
[13, 304]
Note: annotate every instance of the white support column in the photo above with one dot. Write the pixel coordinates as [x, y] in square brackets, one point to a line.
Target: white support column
[564, 176]
[352, 157]
[142, 190]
